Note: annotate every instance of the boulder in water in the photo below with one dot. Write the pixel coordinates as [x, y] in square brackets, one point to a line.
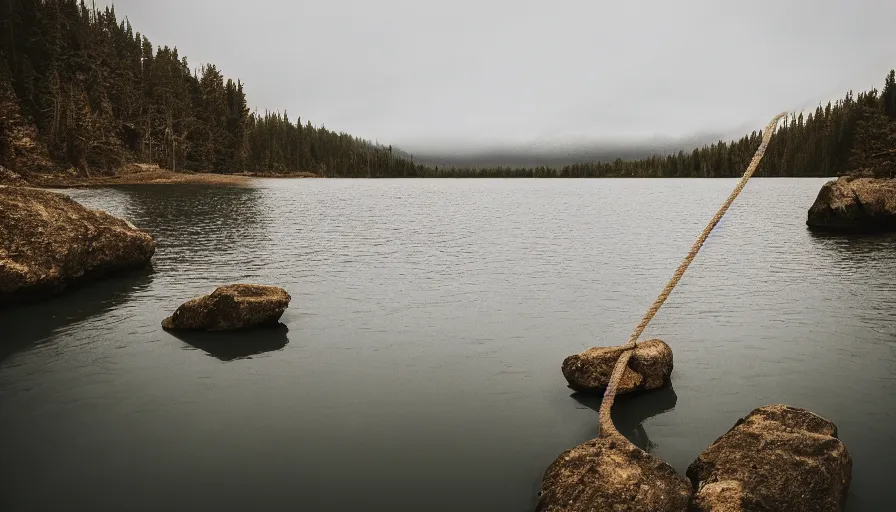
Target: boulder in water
[49, 242]
[850, 204]
[649, 367]
[612, 474]
[777, 458]
[235, 306]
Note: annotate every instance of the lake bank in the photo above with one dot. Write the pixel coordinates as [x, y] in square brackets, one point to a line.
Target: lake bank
[150, 177]
[138, 174]
[154, 175]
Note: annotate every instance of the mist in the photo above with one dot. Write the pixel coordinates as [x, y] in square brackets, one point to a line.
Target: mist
[540, 82]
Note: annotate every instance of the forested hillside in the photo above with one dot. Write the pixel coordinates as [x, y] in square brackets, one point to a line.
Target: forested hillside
[80, 88]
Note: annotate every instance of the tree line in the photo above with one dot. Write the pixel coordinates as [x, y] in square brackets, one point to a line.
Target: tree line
[81, 89]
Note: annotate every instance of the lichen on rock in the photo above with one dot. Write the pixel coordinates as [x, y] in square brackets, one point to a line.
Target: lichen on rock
[614, 475]
[778, 458]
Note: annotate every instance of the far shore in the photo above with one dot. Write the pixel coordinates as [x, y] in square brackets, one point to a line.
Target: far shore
[153, 177]
[146, 174]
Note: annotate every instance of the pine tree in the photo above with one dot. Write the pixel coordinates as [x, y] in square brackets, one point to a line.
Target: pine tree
[888, 98]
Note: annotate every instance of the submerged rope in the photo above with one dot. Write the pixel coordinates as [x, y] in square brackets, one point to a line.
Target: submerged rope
[607, 429]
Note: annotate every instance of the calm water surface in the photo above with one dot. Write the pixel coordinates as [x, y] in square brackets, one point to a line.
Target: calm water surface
[419, 365]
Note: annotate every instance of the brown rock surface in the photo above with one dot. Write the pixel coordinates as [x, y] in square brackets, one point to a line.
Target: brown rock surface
[235, 306]
[49, 242]
[10, 178]
[612, 475]
[778, 458]
[649, 367]
[855, 204]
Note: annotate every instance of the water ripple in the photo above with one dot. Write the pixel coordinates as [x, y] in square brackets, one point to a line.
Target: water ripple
[428, 323]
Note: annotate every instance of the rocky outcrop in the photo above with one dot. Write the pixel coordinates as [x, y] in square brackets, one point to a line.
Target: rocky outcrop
[235, 306]
[778, 458]
[850, 204]
[649, 368]
[49, 242]
[10, 178]
[612, 474]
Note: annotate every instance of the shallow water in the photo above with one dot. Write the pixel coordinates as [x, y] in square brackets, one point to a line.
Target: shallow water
[419, 365]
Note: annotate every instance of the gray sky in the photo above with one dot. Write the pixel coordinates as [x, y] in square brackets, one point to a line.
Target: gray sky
[466, 75]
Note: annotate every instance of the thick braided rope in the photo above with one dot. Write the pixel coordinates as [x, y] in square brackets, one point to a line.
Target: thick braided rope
[607, 429]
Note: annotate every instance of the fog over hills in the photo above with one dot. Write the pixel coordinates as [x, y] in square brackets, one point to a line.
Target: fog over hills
[558, 154]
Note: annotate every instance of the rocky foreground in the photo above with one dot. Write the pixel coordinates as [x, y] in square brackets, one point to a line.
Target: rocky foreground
[853, 205]
[231, 307]
[649, 368]
[777, 459]
[49, 242]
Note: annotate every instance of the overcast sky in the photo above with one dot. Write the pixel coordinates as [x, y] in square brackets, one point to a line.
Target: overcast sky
[465, 75]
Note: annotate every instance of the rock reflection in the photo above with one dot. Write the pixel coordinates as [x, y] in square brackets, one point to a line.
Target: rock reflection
[24, 325]
[232, 345]
[856, 245]
[632, 410]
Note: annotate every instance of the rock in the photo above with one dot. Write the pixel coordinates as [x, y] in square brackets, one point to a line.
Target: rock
[612, 474]
[235, 306]
[649, 368]
[778, 458]
[855, 205]
[10, 178]
[49, 242]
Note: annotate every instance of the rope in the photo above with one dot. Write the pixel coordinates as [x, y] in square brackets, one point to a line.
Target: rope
[607, 429]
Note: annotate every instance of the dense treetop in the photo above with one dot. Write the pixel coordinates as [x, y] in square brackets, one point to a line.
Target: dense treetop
[81, 89]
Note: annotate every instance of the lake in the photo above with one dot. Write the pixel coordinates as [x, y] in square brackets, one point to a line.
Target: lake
[419, 365]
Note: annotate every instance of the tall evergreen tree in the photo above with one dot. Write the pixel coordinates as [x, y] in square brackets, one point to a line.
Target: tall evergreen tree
[889, 96]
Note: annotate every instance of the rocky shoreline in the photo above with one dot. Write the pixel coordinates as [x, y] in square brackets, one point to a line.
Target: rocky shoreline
[138, 174]
[143, 177]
